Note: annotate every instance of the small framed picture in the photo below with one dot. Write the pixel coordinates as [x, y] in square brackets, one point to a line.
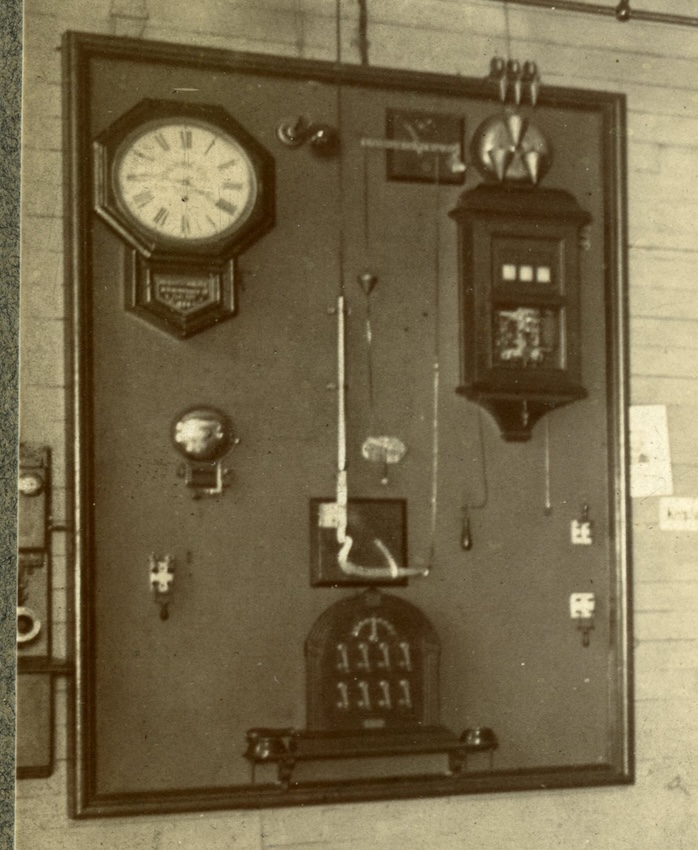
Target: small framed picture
[425, 128]
[369, 520]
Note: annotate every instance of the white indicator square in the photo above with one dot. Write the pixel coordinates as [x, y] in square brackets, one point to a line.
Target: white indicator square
[582, 606]
[328, 515]
[543, 274]
[526, 273]
[508, 271]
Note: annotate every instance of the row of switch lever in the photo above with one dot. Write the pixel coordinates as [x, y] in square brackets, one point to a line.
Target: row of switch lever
[404, 662]
[384, 700]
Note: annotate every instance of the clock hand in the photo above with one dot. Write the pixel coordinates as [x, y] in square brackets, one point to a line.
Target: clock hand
[220, 203]
[186, 184]
[146, 175]
[159, 176]
[206, 193]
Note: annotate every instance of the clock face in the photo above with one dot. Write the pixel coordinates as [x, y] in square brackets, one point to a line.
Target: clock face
[184, 180]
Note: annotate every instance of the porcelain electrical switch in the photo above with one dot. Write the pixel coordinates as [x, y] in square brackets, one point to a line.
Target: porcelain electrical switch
[582, 609]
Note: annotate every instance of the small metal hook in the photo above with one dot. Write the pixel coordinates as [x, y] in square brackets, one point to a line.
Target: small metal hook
[323, 138]
[466, 538]
[623, 11]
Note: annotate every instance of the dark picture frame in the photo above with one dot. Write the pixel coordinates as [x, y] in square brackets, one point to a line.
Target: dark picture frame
[83, 53]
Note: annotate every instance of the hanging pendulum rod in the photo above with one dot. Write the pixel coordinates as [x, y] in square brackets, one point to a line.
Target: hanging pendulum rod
[367, 281]
[548, 504]
[383, 449]
[435, 455]
[342, 486]
[392, 570]
[466, 540]
[436, 363]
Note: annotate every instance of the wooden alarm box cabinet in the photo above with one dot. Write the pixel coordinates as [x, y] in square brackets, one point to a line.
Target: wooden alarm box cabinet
[520, 302]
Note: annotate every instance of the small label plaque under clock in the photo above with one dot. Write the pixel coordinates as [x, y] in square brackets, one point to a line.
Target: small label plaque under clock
[182, 298]
[185, 294]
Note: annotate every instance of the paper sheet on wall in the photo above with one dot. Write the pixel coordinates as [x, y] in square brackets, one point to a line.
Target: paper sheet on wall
[678, 514]
[650, 457]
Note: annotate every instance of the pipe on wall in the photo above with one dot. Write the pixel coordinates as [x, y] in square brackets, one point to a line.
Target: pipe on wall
[622, 12]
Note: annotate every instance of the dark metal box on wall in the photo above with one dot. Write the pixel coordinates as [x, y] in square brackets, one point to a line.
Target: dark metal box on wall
[521, 305]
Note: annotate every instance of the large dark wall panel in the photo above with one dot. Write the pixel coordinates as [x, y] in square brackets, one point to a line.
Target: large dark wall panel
[164, 705]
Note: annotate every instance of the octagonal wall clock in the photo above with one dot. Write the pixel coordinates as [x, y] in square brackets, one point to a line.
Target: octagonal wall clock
[187, 189]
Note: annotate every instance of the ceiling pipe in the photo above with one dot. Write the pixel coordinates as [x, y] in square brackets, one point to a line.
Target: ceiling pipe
[622, 12]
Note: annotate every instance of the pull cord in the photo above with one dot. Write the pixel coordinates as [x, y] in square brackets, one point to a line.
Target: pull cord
[466, 541]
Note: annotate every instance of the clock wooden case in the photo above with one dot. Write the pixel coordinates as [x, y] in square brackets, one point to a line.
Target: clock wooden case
[187, 188]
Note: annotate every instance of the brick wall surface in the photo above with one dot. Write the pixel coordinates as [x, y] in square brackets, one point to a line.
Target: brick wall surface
[655, 66]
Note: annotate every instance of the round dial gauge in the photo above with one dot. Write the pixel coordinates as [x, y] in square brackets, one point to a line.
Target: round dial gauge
[185, 180]
[30, 484]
